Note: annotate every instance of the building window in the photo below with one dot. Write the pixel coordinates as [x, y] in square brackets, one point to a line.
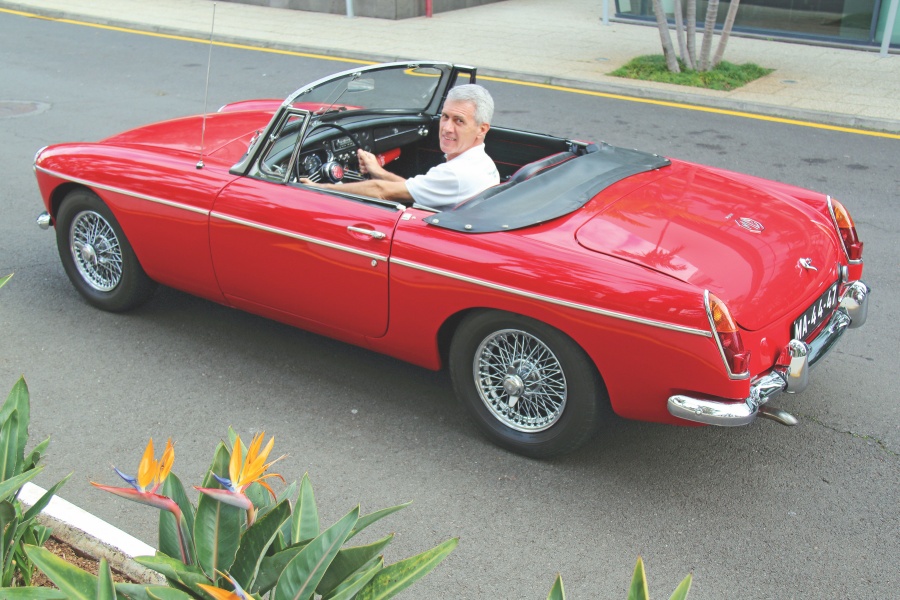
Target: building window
[853, 21]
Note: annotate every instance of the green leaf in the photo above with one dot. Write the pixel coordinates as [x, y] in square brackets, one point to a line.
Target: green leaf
[164, 593]
[9, 442]
[142, 591]
[260, 497]
[105, 588]
[357, 581]
[219, 466]
[557, 592]
[11, 486]
[299, 579]
[217, 526]
[4, 279]
[9, 522]
[370, 518]
[348, 561]
[272, 566]
[72, 581]
[638, 589]
[284, 539]
[172, 534]
[31, 593]
[395, 578]
[682, 590]
[45, 499]
[187, 575]
[18, 400]
[255, 543]
[34, 457]
[305, 525]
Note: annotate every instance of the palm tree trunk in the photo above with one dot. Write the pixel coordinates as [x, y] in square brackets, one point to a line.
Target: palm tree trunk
[712, 10]
[668, 49]
[726, 31]
[691, 18]
[679, 33]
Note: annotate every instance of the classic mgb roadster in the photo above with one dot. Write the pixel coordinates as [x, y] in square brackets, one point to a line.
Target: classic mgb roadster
[591, 277]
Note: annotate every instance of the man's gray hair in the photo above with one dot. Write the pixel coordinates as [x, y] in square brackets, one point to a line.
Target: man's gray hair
[477, 95]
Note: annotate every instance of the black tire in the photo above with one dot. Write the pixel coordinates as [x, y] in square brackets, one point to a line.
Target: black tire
[528, 386]
[97, 256]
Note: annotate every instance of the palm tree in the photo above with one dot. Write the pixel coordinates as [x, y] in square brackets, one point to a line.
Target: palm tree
[687, 34]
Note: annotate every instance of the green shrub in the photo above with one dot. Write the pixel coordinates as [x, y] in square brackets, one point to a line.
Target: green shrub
[19, 527]
[242, 541]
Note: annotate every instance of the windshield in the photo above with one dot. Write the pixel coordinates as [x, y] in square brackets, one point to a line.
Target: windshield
[402, 88]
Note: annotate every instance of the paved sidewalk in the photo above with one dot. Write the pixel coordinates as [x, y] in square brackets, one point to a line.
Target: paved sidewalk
[544, 41]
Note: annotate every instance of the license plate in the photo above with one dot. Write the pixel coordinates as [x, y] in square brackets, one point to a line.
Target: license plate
[818, 311]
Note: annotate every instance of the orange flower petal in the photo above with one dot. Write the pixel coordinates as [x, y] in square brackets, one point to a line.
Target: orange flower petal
[234, 465]
[219, 594]
[165, 463]
[148, 468]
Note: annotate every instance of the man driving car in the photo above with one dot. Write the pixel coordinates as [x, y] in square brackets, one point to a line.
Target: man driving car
[468, 170]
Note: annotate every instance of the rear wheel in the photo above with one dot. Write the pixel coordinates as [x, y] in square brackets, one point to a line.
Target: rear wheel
[528, 386]
[97, 256]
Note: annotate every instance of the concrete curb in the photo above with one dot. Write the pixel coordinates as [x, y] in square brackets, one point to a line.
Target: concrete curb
[93, 536]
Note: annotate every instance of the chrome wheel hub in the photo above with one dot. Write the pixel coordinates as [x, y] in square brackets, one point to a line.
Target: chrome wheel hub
[520, 380]
[96, 251]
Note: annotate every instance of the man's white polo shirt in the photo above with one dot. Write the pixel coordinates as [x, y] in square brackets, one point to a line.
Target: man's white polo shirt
[448, 183]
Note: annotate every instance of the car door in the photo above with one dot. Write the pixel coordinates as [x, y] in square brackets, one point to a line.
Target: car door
[296, 253]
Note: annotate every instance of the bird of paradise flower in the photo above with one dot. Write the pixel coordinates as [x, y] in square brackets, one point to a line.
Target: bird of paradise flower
[243, 472]
[151, 474]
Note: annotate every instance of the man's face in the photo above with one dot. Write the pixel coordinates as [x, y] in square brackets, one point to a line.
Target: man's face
[458, 129]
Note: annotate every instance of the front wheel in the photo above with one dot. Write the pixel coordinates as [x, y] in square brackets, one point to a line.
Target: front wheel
[528, 386]
[97, 256]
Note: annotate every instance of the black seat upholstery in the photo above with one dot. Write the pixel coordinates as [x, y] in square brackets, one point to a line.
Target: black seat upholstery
[539, 166]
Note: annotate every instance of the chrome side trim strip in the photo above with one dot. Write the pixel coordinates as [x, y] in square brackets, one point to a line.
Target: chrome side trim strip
[551, 299]
[115, 190]
[297, 236]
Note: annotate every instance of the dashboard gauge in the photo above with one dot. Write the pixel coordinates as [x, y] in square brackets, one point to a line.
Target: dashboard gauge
[311, 163]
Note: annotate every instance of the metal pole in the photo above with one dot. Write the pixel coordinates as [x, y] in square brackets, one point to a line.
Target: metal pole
[349, 9]
[606, 12]
[889, 28]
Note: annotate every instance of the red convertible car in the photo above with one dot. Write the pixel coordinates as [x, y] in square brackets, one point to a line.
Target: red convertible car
[590, 277]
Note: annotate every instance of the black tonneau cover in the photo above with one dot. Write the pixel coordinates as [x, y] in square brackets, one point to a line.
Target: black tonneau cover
[550, 194]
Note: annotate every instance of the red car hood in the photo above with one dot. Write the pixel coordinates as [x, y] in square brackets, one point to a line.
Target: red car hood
[223, 135]
[739, 237]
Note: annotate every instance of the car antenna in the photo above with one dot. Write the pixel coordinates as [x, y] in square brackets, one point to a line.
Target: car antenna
[212, 28]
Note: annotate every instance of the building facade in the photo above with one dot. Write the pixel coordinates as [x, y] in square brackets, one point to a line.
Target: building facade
[854, 22]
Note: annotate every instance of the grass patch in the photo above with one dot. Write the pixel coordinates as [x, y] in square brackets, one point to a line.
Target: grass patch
[726, 76]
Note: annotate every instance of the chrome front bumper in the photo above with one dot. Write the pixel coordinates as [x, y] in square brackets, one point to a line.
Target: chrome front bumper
[44, 220]
[790, 375]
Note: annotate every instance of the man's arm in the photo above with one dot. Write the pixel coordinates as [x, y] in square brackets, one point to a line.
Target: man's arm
[369, 165]
[374, 188]
[383, 184]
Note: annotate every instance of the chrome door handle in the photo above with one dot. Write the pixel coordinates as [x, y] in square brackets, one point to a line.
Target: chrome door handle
[377, 235]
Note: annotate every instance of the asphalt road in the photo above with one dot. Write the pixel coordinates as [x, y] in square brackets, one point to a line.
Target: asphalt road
[762, 511]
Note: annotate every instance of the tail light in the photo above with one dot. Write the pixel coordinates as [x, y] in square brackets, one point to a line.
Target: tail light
[852, 246]
[728, 337]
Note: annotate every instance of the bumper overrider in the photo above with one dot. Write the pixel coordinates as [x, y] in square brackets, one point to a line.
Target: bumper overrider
[790, 375]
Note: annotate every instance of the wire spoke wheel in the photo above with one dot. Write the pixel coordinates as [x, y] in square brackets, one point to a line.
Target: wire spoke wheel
[520, 380]
[96, 251]
[528, 386]
[97, 256]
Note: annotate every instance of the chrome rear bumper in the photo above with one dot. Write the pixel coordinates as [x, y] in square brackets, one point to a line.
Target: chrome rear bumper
[790, 376]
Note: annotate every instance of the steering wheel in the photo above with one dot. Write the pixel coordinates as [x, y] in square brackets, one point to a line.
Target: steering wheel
[332, 171]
